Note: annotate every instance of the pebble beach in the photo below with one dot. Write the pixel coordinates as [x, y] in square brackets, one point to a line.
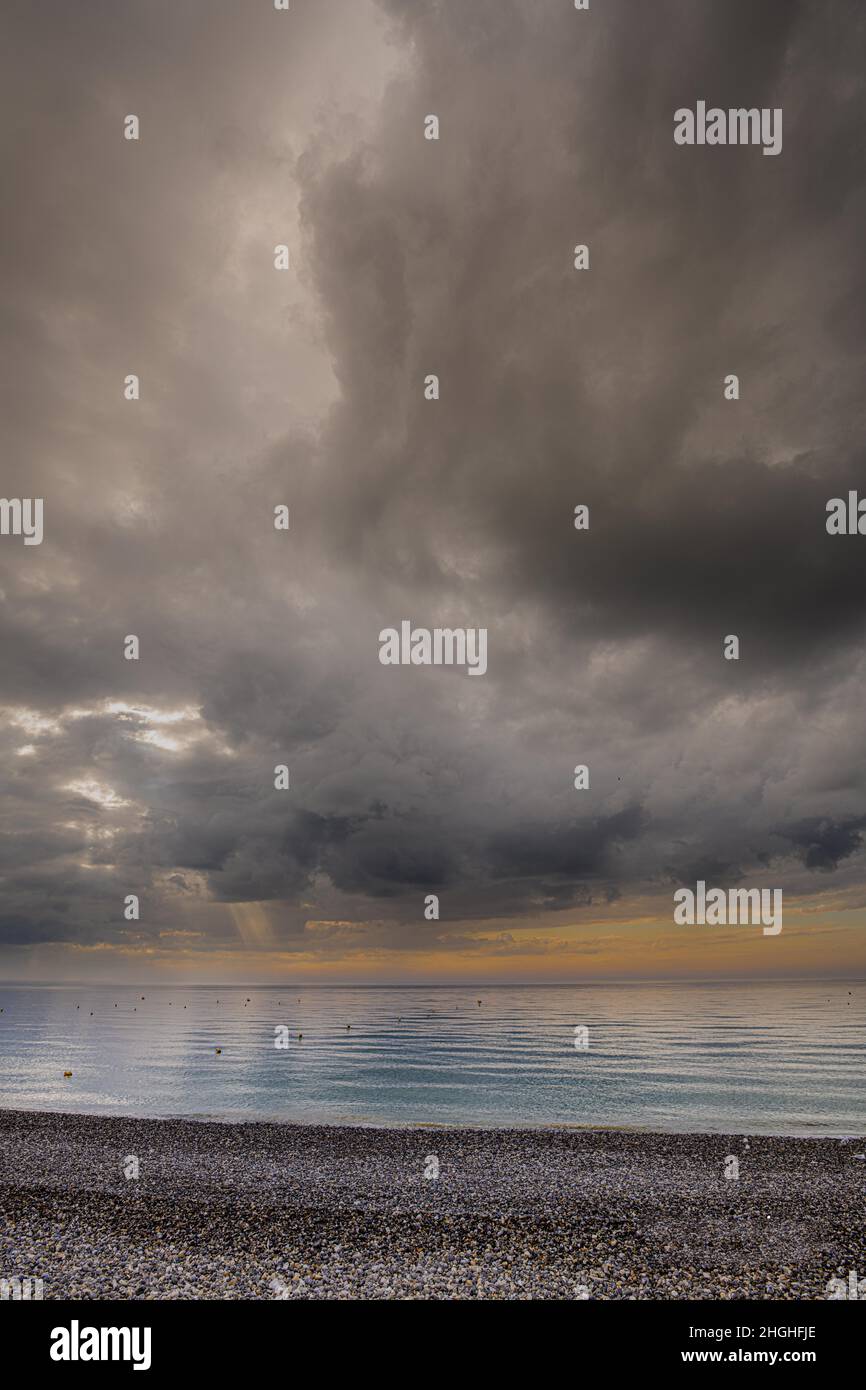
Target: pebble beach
[278, 1211]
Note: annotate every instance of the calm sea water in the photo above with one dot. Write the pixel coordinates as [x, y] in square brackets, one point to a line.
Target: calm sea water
[782, 1058]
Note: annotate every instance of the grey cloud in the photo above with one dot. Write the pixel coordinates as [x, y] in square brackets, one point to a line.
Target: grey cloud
[822, 844]
[558, 387]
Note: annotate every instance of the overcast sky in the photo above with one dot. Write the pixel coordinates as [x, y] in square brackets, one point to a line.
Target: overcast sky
[558, 387]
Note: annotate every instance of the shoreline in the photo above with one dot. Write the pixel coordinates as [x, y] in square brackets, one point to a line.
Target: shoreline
[262, 1210]
[435, 1126]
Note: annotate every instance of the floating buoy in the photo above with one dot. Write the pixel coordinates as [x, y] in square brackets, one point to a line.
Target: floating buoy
[218, 1050]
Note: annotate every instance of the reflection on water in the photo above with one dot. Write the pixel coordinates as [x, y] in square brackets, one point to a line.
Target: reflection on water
[778, 1058]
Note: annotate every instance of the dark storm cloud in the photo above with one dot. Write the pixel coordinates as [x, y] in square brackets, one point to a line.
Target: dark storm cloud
[574, 851]
[604, 388]
[821, 844]
[558, 387]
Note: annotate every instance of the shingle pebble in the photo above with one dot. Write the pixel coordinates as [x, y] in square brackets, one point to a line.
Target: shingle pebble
[264, 1211]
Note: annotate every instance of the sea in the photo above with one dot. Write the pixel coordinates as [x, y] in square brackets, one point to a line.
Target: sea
[776, 1058]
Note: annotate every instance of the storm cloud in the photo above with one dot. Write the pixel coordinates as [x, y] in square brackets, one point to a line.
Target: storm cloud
[558, 388]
